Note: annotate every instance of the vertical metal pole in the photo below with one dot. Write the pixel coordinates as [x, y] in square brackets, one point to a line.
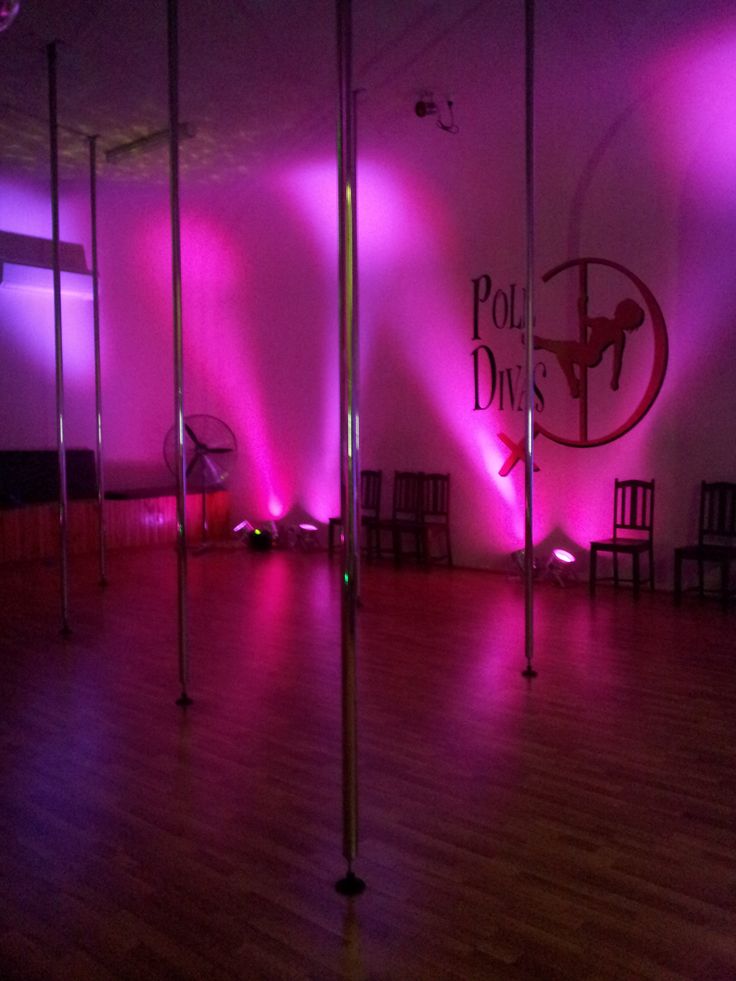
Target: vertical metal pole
[61, 448]
[583, 337]
[181, 476]
[355, 334]
[349, 470]
[529, 671]
[98, 361]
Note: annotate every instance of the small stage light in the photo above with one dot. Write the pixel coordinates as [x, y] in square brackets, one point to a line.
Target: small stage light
[307, 537]
[260, 540]
[561, 566]
[562, 555]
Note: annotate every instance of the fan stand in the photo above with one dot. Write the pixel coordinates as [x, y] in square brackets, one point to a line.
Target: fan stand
[209, 441]
[204, 544]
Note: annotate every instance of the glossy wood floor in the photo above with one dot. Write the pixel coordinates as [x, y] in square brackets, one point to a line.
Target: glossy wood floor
[583, 826]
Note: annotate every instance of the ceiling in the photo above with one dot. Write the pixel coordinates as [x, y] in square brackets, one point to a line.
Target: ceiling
[257, 77]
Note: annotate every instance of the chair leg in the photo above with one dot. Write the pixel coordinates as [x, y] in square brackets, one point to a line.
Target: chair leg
[424, 546]
[331, 525]
[635, 573]
[396, 543]
[615, 569]
[651, 568]
[678, 578]
[725, 571]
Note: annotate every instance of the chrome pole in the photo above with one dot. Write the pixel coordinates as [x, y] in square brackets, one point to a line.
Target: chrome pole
[350, 884]
[92, 140]
[529, 671]
[181, 476]
[355, 336]
[58, 340]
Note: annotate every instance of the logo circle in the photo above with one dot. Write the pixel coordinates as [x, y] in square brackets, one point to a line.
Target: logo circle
[659, 361]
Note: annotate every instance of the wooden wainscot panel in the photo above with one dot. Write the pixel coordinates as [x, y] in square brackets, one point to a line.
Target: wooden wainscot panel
[33, 532]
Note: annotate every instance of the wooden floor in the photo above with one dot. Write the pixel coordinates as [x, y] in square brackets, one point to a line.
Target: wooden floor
[581, 826]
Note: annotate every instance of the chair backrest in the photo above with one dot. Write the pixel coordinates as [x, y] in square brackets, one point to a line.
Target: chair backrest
[717, 511]
[407, 499]
[436, 496]
[633, 508]
[370, 492]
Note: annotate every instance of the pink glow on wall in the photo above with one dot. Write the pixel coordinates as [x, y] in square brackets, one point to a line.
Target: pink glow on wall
[443, 369]
[400, 227]
[694, 109]
[219, 362]
[390, 226]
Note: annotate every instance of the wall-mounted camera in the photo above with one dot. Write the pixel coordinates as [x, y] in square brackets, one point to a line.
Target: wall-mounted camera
[425, 107]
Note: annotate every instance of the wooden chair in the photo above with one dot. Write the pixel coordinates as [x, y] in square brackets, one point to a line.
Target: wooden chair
[716, 537]
[370, 512]
[633, 530]
[406, 515]
[436, 516]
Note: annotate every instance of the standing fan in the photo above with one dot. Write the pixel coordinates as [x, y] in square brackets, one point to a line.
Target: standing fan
[209, 452]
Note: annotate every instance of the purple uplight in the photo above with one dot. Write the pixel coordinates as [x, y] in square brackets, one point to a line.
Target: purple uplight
[562, 555]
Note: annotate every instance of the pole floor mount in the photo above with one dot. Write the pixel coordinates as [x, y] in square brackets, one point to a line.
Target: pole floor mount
[350, 885]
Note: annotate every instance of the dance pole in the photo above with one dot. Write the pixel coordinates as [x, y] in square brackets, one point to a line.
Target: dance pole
[350, 885]
[181, 475]
[92, 142]
[356, 336]
[61, 448]
[529, 671]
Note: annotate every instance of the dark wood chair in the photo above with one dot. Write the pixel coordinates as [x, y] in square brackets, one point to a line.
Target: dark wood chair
[436, 517]
[716, 537]
[633, 532]
[406, 516]
[370, 513]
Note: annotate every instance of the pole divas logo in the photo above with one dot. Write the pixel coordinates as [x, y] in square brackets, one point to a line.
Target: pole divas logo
[600, 342]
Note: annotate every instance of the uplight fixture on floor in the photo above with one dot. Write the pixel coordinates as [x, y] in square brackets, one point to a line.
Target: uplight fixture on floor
[561, 566]
[307, 537]
[259, 538]
[519, 559]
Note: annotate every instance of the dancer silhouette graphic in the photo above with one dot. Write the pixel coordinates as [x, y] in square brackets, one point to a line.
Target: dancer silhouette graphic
[601, 333]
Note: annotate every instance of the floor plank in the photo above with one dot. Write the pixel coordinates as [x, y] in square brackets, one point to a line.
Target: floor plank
[579, 826]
